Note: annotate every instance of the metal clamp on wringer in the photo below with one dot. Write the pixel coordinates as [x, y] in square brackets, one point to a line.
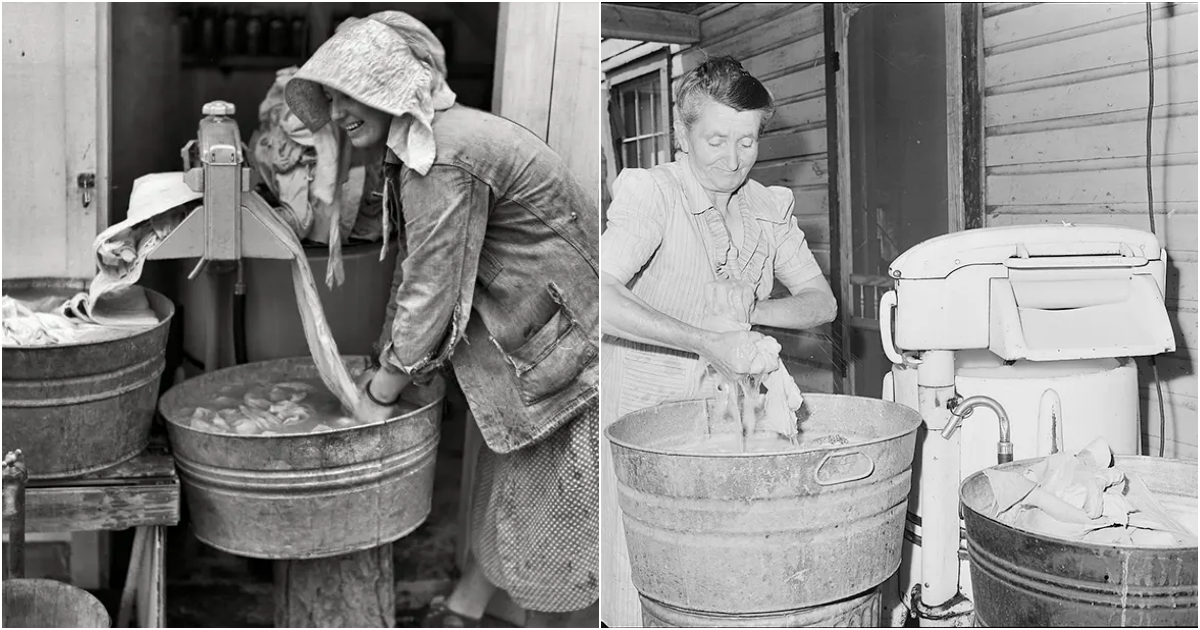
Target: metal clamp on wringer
[224, 228]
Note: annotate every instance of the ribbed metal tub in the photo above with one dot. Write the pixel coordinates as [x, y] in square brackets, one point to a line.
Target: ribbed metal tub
[82, 407]
[860, 611]
[51, 604]
[308, 495]
[1022, 579]
[758, 534]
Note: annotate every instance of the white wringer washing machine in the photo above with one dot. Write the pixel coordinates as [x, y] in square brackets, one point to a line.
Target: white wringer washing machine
[1027, 332]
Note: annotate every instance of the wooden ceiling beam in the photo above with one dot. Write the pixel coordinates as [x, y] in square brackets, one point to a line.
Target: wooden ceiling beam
[648, 25]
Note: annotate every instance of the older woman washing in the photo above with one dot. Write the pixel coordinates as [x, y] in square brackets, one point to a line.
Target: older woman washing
[691, 252]
[500, 284]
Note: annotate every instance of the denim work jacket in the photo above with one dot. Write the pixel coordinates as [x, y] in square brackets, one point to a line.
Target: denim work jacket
[500, 278]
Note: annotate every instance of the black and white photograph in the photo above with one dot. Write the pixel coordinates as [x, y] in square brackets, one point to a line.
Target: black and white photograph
[301, 314]
[898, 305]
[599, 314]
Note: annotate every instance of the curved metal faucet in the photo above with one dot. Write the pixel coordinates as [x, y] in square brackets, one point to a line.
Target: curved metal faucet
[962, 407]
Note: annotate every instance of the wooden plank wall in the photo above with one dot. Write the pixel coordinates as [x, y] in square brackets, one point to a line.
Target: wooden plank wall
[546, 54]
[1065, 100]
[783, 45]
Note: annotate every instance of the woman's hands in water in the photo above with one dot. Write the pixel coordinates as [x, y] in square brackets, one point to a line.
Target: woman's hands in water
[741, 352]
[382, 385]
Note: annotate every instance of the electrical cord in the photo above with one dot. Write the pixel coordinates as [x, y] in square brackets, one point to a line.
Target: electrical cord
[1162, 411]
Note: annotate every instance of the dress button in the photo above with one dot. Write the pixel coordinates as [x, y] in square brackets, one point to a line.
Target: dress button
[574, 216]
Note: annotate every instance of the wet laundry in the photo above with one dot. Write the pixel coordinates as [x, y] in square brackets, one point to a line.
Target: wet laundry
[55, 320]
[158, 204]
[1084, 496]
[767, 399]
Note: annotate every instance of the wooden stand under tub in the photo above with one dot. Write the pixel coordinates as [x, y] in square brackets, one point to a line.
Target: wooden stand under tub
[142, 493]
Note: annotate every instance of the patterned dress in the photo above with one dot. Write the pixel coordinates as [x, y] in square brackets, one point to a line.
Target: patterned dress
[534, 526]
[666, 241]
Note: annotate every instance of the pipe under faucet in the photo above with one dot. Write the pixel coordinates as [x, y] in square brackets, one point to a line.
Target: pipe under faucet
[962, 407]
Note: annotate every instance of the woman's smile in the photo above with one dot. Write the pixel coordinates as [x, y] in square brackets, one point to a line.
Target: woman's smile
[366, 126]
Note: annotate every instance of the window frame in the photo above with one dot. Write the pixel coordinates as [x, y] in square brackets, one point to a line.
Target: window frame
[619, 81]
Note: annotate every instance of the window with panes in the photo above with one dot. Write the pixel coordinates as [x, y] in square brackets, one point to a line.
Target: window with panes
[643, 118]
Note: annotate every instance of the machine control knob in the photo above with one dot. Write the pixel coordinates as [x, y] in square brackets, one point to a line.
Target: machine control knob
[219, 108]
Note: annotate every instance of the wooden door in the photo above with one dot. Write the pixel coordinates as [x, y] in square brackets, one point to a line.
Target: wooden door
[897, 109]
[56, 88]
[547, 61]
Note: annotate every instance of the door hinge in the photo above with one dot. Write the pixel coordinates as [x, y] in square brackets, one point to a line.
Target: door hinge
[835, 60]
[86, 183]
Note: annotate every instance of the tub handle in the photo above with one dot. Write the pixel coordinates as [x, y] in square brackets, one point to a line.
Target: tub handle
[844, 477]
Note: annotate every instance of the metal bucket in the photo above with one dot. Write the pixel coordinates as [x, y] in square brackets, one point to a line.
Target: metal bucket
[78, 408]
[745, 534]
[51, 604]
[1022, 579]
[308, 495]
[860, 611]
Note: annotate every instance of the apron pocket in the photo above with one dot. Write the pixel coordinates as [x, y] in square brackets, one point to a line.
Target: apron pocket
[552, 358]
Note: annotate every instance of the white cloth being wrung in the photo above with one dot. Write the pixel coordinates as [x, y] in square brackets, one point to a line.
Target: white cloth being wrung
[728, 310]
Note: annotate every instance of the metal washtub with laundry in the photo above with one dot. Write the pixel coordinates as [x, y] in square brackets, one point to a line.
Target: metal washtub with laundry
[1012, 343]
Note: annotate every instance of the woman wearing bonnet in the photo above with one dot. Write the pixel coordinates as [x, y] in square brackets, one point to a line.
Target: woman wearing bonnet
[502, 255]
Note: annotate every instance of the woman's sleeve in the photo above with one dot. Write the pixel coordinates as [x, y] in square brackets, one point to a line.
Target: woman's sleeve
[636, 223]
[794, 261]
[445, 219]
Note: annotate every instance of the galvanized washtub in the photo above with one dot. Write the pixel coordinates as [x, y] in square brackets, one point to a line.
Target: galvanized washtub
[82, 407]
[308, 495]
[51, 604]
[764, 536]
[1022, 579]
[861, 611]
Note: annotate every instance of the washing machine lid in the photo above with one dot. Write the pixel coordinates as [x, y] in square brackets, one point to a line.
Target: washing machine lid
[1029, 247]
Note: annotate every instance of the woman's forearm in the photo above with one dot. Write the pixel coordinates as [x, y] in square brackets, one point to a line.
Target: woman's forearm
[388, 384]
[807, 309]
[626, 316]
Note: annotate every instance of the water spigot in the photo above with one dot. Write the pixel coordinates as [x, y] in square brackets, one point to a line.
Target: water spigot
[962, 407]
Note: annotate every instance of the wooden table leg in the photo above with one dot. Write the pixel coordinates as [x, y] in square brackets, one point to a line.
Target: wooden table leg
[152, 596]
[356, 590]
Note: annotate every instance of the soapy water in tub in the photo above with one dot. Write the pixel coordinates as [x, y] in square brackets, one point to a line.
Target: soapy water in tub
[758, 426]
[291, 407]
[766, 442]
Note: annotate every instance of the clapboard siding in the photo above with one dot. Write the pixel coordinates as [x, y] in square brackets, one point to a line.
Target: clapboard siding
[783, 45]
[1065, 97]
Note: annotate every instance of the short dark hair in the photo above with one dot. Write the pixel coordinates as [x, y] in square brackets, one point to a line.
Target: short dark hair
[724, 80]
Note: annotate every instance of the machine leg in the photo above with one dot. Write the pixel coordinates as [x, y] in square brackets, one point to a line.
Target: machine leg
[355, 590]
[940, 468]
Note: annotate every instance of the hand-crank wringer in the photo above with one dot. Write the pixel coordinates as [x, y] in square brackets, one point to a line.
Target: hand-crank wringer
[1035, 325]
[223, 228]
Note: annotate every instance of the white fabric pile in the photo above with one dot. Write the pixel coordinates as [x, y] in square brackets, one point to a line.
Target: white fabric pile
[113, 304]
[54, 321]
[1085, 497]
